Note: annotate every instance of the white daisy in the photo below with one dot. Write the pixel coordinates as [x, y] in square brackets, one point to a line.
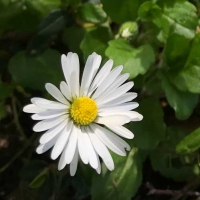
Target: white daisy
[87, 116]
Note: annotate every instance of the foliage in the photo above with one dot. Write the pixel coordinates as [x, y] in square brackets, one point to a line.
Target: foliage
[156, 41]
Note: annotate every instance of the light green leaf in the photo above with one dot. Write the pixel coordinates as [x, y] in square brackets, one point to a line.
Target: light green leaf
[121, 11]
[149, 11]
[95, 40]
[179, 17]
[135, 61]
[151, 130]
[170, 164]
[182, 102]
[93, 13]
[122, 182]
[34, 71]
[190, 143]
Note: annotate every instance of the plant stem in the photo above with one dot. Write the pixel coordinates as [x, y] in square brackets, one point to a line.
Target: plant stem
[16, 120]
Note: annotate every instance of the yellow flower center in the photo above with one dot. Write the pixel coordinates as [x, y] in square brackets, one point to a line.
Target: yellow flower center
[83, 110]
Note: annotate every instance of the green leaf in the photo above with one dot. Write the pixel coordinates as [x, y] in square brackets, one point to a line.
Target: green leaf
[45, 6]
[69, 35]
[5, 89]
[25, 15]
[123, 182]
[190, 143]
[171, 165]
[92, 13]
[176, 51]
[182, 102]
[135, 61]
[52, 23]
[95, 40]
[179, 17]
[39, 180]
[34, 71]
[149, 11]
[142, 61]
[121, 11]
[187, 78]
[31, 169]
[151, 130]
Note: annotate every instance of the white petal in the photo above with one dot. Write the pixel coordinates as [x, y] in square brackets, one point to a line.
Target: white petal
[98, 169]
[64, 88]
[66, 65]
[133, 115]
[44, 103]
[90, 70]
[82, 148]
[122, 131]
[122, 99]
[108, 81]
[119, 81]
[48, 114]
[31, 108]
[74, 163]
[70, 148]
[123, 107]
[55, 92]
[74, 86]
[100, 77]
[48, 123]
[47, 136]
[102, 151]
[111, 143]
[105, 134]
[90, 149]
[45, 147]
[116, 93]
[113, 120]
[62, 141]
[75, 74]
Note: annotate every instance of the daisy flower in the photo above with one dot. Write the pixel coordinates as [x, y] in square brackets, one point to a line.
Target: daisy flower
[87, 116]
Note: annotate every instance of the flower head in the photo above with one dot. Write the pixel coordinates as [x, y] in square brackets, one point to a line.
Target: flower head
[88, 114]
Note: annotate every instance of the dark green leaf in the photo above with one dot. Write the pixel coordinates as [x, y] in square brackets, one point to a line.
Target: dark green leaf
[69, 35]
[187, 78]
[171, 165]
[182, 102]
[176, 51]
[35, 71]
[190, 143]
[122, 182]
[5, 90]
[52, 23]
[93, 13]
[149, 11]
[31, 169]
[135, 61]
[121, 11]
[39, 180]
[151, 130]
